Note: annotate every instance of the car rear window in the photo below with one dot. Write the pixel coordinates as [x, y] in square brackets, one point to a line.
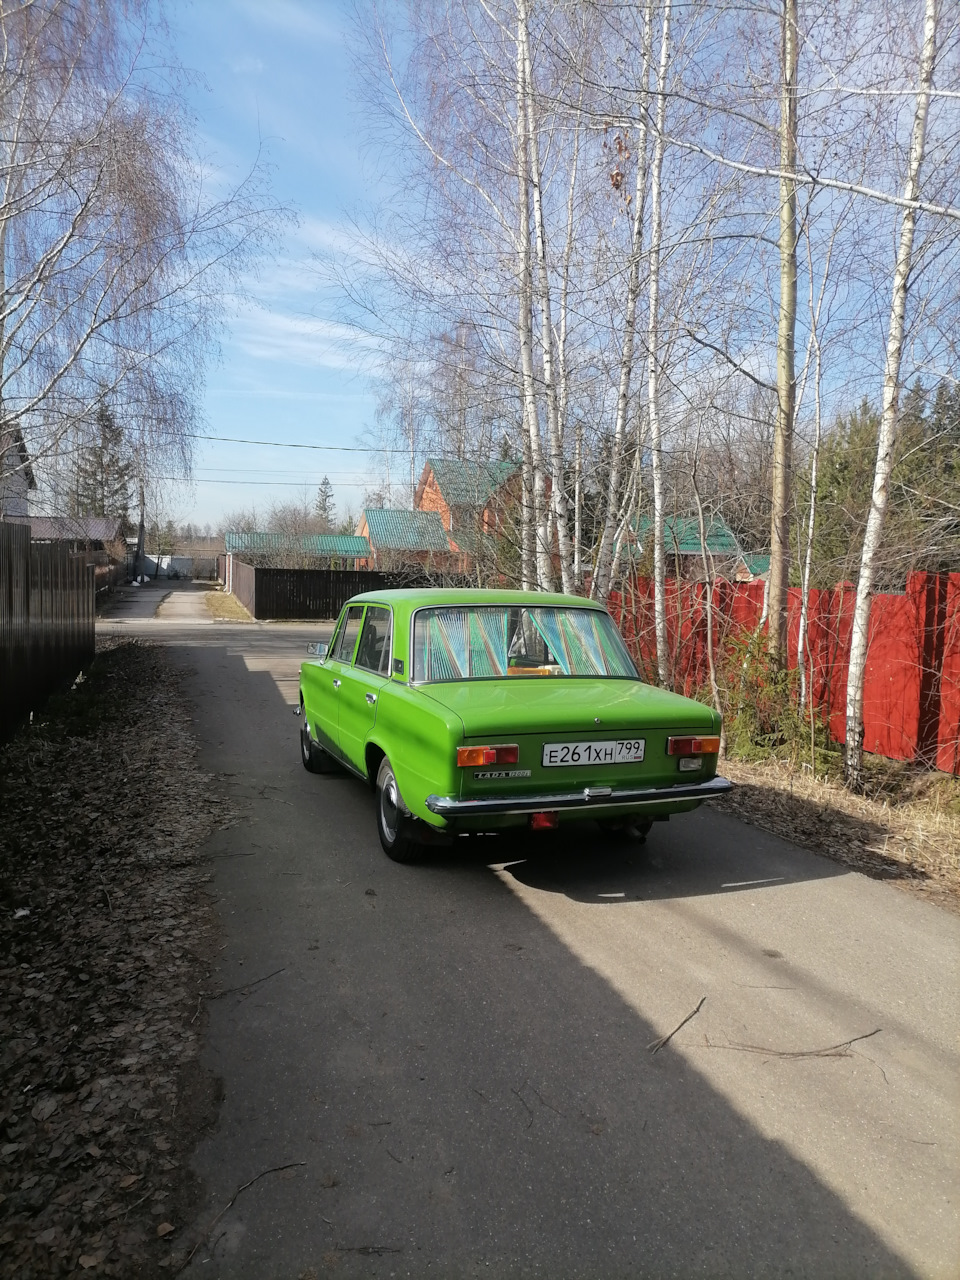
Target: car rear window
[483, 642]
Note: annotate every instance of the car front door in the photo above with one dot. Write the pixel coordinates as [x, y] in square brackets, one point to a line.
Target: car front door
[362, 682]
[328, 678]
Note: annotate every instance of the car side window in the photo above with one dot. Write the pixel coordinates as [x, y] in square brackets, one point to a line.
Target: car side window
[373, 653]
[347, 637]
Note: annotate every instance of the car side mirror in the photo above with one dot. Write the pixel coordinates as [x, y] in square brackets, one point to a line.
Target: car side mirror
[317, 649]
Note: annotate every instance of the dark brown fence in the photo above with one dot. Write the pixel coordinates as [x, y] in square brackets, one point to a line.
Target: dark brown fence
[307, 594]
[46, 622]
[310, 593]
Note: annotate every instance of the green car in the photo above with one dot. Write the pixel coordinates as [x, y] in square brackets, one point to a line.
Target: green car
[474, 711]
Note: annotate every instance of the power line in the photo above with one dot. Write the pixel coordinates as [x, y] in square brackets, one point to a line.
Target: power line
[270, 484]
[280, 444]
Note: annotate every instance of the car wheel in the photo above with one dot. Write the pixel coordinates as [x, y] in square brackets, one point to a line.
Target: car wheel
[393, 818]
[313, 758]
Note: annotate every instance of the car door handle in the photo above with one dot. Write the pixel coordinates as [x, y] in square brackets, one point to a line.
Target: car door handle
[336, 684]
[371, 697]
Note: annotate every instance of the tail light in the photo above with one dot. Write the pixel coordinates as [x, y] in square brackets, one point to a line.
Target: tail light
[487, 755]
[693, 746]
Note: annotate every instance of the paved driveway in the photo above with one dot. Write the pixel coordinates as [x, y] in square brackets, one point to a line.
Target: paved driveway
[458, 1053]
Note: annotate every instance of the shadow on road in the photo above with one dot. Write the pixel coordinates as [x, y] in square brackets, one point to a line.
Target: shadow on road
[682, 859]
[467, 1097]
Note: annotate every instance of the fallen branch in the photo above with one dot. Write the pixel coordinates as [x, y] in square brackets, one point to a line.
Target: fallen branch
[215, 995]
[366, 1250]
[656, 1045]
[523, 1100]
[277, 1168]
[831, 1050]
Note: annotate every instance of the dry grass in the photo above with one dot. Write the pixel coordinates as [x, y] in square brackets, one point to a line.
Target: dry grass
[908, 832]
[226, 608]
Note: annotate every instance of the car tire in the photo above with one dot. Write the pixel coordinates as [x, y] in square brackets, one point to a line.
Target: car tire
[313, 758]
[393, 818]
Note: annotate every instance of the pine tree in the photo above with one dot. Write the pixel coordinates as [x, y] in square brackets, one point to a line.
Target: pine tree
[325, 509]
[103, 474]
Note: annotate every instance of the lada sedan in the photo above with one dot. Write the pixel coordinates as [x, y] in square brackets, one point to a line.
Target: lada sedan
[477, 711]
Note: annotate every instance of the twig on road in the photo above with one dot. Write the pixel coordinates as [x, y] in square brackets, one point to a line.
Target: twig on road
[656, 1045]
[526, 1105]
[277, 1168]
[215, 995]
[366, 1250]
[830, 1051]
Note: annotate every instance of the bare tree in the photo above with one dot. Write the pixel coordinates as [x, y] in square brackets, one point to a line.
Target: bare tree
[853, 764]
[112, 253]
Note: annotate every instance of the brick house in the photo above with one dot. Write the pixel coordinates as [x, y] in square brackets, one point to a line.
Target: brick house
[470, 498]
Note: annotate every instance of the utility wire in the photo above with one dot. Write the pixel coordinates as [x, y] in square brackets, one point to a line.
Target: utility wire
[280, 444]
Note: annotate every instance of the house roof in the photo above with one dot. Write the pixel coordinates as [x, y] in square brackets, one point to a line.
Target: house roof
[74, 528]
[681, 535]
[392, 530]
[757, 565]
[12, 438]
[467, 484]
[312, 544]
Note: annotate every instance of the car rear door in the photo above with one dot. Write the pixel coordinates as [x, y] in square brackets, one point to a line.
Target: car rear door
[362, 682]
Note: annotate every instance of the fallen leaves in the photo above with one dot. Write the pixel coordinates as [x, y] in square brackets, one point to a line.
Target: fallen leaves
[103, 928]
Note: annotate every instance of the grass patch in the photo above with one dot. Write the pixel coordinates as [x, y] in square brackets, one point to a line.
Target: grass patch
[226, 608]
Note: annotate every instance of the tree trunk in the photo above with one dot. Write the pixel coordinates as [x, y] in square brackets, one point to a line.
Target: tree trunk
[786, 339]
[525, 323]
[664, 672]
[853, 758]
[558, 494]
[710, 575]
[603, 569]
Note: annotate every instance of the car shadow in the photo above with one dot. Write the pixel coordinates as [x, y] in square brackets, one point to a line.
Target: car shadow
[695, 854]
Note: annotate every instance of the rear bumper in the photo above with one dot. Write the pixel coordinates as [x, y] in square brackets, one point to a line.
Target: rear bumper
[587, 798]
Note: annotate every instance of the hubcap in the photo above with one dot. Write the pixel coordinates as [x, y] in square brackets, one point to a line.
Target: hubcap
[389, 808]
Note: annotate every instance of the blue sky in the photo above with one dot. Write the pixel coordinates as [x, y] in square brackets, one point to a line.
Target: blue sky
[279, 70]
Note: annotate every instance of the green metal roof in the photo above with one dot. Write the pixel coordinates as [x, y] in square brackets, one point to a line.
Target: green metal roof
[345, 545]
[681, 535]
[757, 565]
[470, 484]
[392, 530]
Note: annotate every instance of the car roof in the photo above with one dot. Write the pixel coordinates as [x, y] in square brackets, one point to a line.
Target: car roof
[418, 597]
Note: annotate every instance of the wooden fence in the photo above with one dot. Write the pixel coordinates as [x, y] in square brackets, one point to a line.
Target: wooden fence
[912, 688]
[46, 622]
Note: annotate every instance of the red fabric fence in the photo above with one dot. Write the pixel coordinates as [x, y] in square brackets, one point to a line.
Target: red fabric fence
[912, 686]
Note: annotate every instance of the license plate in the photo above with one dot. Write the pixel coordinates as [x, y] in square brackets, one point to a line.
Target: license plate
[626, 751]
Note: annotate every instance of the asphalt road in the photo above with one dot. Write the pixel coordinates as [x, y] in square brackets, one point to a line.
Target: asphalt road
[458, 1053]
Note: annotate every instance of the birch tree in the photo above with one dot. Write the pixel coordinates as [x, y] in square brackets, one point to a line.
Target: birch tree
[853, 765]
[113, 257]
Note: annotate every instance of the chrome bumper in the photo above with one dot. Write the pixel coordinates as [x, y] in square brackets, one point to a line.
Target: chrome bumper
[587, 798]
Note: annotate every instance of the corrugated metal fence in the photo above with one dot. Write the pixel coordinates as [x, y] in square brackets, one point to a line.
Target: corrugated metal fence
[46, 622]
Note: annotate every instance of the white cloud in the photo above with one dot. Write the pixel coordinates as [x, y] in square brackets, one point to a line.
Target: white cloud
[300, 340]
